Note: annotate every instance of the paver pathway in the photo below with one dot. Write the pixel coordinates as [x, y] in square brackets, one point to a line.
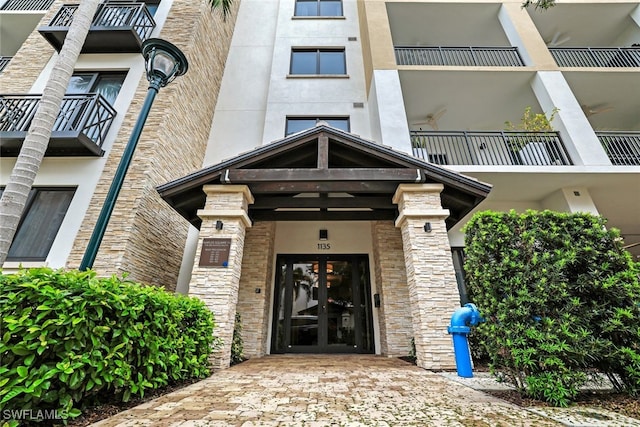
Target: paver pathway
[326, 390]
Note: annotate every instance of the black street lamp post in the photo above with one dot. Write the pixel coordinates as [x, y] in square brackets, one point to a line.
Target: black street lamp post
[164, 62]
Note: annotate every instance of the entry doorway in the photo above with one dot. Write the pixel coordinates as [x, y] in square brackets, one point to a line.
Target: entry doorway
[322, 305]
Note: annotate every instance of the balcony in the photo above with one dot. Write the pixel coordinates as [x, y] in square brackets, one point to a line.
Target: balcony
[623, 148]
[459, 56]
[118, 27]
[609, 57]
[24, 5]
[79, 130]
[4, 61]
[490, 148]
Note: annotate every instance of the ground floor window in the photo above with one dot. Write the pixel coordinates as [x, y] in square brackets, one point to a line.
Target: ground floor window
[44, 211]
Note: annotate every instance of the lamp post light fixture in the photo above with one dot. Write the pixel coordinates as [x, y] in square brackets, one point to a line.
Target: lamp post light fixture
[163, 62]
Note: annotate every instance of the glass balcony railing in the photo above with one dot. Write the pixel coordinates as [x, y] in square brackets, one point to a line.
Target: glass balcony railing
[490, 148]
[79, 130]
[610, 57]
[459, 56]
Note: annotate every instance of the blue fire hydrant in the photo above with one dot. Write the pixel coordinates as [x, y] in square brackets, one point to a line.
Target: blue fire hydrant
[461, 322]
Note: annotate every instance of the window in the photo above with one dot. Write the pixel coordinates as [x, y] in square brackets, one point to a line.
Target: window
[318, 61]
[106, 84]
[43, 214]
[318, 8]
[297, 124]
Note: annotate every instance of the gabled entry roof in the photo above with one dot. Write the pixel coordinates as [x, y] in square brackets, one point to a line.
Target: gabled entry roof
[326, 174]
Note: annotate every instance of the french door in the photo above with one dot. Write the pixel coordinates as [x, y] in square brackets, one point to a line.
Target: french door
[322, 305]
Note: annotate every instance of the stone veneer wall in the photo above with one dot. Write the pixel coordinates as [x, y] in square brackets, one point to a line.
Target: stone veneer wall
[257, 273]
[218, 286]
[433, 289]
[27, 64]
[394, 313]
[146, 237]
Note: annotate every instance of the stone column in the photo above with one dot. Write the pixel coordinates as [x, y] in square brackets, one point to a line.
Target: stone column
[255, 292]
[433, 291]
[217, 286]
[394, 317]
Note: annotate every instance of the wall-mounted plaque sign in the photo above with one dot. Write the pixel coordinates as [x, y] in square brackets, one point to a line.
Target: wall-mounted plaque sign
[215, 252]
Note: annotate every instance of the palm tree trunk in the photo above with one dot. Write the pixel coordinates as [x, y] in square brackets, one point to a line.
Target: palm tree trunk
[35, 144]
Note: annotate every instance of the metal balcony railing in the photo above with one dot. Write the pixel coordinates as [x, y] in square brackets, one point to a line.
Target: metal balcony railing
[623, 148]
[463, 56]
[83, 118]
[112, 15]
[611, 57]
[490, 148]
[27, 5]
[4, 61]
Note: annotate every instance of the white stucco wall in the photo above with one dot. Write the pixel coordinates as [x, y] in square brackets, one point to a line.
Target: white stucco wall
[257, 94]
[513, 35]
[313, 96]
[632, 33]
[552, 91]
[238, 121]
[388, 110]
[570, 199]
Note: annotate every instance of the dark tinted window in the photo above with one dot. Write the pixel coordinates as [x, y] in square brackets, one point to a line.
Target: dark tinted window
[40, 222]
[318, 61]
[318, 8]
[297, 124]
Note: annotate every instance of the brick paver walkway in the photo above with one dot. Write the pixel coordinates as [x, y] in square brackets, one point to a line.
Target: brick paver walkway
[326, 390]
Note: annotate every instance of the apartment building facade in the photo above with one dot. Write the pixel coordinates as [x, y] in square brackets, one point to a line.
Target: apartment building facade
[318, 182]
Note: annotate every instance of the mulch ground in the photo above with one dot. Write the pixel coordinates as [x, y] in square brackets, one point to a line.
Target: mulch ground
[615, 402]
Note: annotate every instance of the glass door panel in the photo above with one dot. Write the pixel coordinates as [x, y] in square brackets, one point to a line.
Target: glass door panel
[365, 315]
[340, 306]
[322, 305]
[304, 305]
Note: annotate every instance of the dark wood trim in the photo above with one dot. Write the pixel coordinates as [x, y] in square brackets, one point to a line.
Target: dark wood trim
[377, 215]
[373, 202]
[246, 176]
[323, 187]
[323, 152]
[324, 160]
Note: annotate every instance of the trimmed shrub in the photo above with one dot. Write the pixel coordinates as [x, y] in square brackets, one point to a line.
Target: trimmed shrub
[68, 336]
[561, 299]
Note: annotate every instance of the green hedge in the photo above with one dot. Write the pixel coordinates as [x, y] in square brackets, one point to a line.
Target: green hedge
[561, 299]
[68, 336]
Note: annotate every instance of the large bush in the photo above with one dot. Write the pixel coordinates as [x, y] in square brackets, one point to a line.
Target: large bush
[68, 336]
[561, 299]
